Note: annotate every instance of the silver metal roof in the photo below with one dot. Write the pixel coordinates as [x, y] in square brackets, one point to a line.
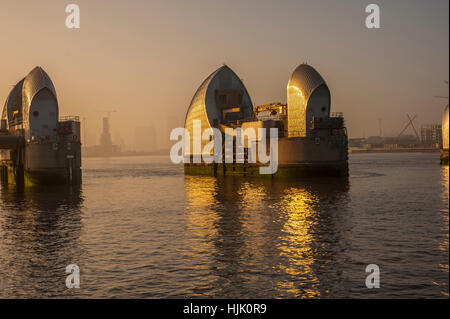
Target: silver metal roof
[13, 101]
[22, 94]
[203, 107]
[204, 98]
[198, 100]
[307, 79]
[34, 82]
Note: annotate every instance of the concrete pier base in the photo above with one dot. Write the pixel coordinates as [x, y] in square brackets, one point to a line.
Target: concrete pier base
[325, 169]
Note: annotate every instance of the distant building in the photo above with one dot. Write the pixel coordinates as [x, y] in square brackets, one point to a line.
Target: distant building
[106, 147]
[408, 140]
[375, 142]
[431, 134]
[357, 142]
[105, 137]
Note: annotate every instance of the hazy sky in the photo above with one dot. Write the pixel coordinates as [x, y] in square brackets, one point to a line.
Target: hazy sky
[146, 58]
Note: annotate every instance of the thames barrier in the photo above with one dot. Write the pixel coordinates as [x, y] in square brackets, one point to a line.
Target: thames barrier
[37, 146]
[312, 140]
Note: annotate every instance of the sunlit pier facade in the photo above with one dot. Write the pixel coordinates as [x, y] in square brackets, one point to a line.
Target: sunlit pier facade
[444, 149]
[311, 139]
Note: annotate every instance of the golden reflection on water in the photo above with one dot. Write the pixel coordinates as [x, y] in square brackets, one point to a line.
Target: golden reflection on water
[444, 244]
[247, 224]
[297, 206]
[252, 198]
[201, 220]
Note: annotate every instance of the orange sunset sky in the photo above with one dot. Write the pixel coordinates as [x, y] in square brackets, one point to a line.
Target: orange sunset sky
[145, 59]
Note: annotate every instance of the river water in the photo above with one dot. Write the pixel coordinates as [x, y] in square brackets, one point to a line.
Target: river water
[139, 228]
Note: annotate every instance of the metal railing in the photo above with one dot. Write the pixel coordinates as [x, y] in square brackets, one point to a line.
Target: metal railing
[15, 122]
[69, 118]
[337, 114]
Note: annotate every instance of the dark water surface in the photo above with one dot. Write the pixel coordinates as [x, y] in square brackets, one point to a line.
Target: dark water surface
[139, 228]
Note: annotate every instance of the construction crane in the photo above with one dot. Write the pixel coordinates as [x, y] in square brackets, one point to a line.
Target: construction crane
[410, 122]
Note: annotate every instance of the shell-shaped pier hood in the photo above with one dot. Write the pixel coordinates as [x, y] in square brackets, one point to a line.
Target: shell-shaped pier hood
[221, 99]
[32, 105]
[308, 97]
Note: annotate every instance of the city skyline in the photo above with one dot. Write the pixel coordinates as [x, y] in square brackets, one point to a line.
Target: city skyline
[139, 59]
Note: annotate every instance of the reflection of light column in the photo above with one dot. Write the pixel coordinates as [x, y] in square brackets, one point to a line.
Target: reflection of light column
[443, 245]
[201, 218]
[444, 212]
[297, 240]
